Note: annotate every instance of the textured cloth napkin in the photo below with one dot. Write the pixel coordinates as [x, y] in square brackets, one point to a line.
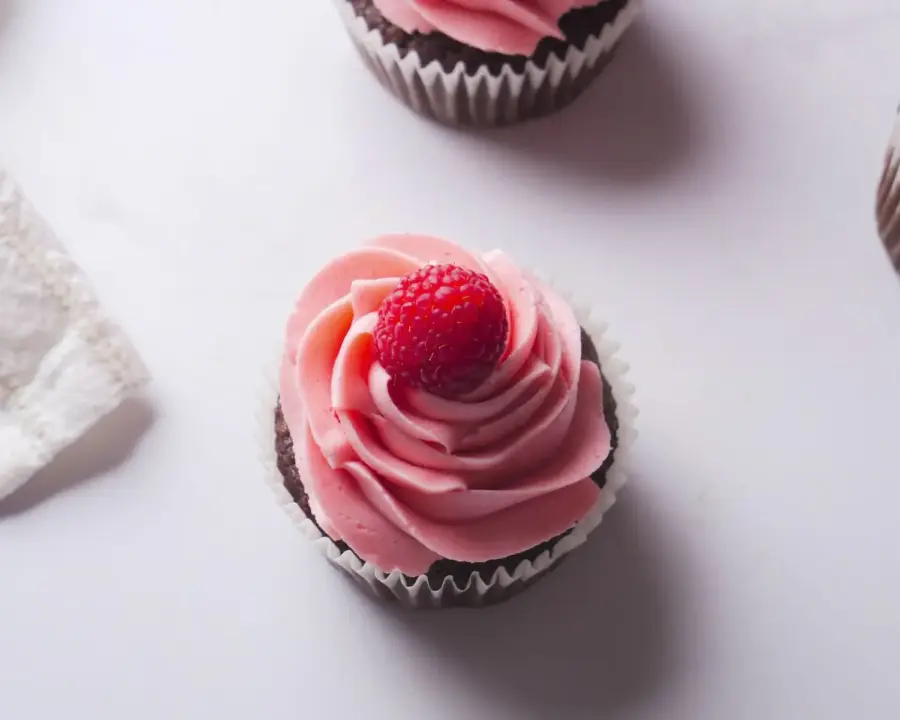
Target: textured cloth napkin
[63, 363]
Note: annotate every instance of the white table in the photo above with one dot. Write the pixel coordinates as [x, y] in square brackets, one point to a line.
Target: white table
[712, 197]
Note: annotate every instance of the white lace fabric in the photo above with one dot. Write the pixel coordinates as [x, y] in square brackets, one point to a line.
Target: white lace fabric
[63, 363]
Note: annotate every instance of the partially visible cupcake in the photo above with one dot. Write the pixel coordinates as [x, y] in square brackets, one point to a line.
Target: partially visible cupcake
[486, 62]
[446, 429]
[888, 200]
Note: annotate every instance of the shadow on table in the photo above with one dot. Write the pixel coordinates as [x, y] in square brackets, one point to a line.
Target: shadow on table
[102, 449]
[595, 638]
[7, 7]
[641, 119]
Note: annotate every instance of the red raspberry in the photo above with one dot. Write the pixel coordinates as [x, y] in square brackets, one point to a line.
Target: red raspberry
[442, 329]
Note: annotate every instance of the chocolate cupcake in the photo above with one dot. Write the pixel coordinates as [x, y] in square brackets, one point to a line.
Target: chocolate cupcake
[488, 62]
[445, 433]
[888, 199]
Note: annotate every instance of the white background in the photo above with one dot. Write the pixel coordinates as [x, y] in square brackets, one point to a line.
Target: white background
[712, 197]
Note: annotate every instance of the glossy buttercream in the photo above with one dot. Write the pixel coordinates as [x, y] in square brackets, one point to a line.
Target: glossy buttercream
[406, 478]
[511, 27]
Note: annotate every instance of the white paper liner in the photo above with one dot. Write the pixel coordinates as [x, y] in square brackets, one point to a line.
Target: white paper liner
[888, 199]
[481, 99]
[502, 584]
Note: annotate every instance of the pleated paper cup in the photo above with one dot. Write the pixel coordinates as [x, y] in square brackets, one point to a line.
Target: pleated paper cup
[477, 591]
[482, 98]
[888, 199]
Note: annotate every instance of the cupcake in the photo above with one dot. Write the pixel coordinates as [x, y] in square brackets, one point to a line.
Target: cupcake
[486, 62]
[888, 200]
[445, 429]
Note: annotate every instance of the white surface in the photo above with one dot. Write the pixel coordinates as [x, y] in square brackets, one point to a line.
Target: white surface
[713, 195]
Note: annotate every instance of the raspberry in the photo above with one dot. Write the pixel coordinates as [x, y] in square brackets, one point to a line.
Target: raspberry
[442, 329]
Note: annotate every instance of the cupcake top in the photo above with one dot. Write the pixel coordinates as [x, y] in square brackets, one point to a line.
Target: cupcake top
[510, 27]
[439, 405]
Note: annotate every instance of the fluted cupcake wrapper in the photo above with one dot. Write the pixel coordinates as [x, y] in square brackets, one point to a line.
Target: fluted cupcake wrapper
[888, 199]
[476, 592]
[483, 99]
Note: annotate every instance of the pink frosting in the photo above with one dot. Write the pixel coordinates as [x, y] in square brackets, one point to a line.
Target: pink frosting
[405, 477]
[511, 27]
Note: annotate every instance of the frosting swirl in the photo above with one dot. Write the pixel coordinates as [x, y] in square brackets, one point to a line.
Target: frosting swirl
[405, 477]
[511, 27]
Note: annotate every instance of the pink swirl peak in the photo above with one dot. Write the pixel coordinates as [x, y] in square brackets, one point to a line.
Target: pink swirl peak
[405, 477]
[511, 27]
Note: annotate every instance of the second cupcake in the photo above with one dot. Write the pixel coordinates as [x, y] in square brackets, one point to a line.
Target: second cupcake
[888, 200]
[486, 62]
[446, 429]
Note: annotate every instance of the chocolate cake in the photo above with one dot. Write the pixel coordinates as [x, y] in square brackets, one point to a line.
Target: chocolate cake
[440, 570]
[577, 26]
[445, 79]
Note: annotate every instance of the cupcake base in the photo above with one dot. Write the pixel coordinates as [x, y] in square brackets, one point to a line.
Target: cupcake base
[456, 84]
[888, 199]
[451, 583]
